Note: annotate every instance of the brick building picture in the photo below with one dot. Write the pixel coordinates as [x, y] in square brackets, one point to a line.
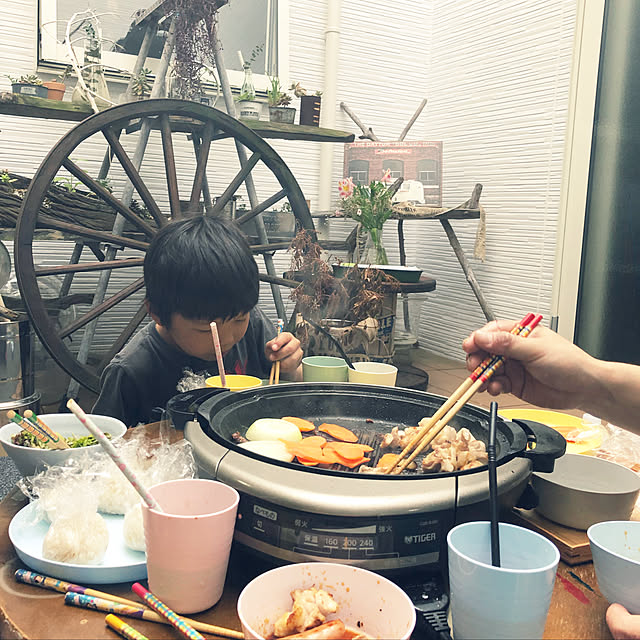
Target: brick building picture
[416, 162]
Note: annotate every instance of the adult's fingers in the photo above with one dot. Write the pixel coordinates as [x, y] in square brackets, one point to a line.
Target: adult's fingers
[622, 624]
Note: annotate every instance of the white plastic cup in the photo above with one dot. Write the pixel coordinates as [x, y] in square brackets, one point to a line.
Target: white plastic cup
[373, 373]
[510, 601]
[188, 545]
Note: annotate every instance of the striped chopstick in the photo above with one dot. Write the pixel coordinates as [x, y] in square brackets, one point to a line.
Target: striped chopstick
[174, 619]
[138, 612]
[45, 582]
[453, 398]
[122, 628]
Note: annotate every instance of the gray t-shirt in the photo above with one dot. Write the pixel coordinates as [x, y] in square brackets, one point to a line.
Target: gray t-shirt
[145, 373]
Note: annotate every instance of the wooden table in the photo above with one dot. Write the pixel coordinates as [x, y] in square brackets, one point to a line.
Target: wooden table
[30, 612]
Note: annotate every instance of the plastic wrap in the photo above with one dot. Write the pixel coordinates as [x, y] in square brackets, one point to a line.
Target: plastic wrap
[621, 446]
[190, 381]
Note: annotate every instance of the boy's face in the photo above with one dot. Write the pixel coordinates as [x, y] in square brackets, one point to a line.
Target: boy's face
[194, 336]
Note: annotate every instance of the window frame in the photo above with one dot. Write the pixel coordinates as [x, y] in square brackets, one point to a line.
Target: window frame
[52, 53]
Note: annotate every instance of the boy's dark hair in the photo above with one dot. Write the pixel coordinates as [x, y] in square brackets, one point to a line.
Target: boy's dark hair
[201, 268]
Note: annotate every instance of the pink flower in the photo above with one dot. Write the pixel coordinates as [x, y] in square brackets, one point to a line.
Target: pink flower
[386, 178]
[345, 187]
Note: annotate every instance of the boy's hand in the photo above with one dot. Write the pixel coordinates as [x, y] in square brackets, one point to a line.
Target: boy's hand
[286, 348]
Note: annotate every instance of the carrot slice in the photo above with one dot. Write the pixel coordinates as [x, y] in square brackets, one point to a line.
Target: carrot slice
[338, 432]
[307, 463]
[312, 441]
[301, 423]
[353, 463]
[387, 459]
[348, 450]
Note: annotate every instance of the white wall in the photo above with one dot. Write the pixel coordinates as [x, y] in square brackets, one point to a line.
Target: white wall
[496, 76]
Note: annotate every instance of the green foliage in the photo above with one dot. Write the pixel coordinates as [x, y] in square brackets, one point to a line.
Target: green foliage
[31, 78]
[141, 85]
[257, 50]
[5, 178]
[275, 96]
[69, 183]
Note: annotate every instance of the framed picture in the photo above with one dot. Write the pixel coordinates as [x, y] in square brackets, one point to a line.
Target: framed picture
[419, 163]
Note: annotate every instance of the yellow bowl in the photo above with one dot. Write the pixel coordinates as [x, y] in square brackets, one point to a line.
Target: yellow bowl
[235, 382]
[587, 437]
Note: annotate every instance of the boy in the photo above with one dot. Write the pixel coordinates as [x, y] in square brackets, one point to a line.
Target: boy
[196, 271]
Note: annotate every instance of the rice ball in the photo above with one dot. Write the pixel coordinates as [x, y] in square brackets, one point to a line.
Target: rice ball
[77, 539]
[133, 529]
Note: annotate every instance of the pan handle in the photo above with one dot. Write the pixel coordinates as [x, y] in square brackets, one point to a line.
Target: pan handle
[544, 445]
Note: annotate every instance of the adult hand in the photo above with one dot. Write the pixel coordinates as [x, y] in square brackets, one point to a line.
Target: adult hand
[543, 369]
[286, 348]
[622, 624]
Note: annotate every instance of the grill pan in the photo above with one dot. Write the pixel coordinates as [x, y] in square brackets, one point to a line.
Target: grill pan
[369, 411]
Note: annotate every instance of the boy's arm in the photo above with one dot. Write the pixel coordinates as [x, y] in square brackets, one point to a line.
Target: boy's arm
[118, 396]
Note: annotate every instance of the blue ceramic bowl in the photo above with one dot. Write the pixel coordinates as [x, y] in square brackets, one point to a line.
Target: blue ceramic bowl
[615, 547]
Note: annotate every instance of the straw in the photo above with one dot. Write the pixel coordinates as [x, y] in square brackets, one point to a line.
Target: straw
[216, 345]
[453, 398]
[493, 488]
[124, 629]
[115, 456]
[45, 582]
[495, 363]
[179, 623]
[108, 606]
[53, 436]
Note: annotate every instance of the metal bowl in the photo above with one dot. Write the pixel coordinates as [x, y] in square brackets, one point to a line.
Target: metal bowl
[583, 490]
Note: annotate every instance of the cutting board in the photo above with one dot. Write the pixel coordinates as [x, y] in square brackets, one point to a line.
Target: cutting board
[573, 544]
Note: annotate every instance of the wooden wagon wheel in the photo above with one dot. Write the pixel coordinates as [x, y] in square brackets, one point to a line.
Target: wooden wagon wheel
[165, 123]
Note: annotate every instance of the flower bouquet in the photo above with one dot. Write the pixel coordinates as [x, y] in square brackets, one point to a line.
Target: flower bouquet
[370, 205]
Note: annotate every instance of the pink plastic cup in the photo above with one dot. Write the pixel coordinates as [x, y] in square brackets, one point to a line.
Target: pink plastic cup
[188, 545]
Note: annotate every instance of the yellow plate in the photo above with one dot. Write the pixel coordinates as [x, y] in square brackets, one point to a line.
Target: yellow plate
[563, 423]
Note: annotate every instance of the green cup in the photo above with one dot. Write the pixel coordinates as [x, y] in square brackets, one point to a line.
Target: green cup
[324, 369]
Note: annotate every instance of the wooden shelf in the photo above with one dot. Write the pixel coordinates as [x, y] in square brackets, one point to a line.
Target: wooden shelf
[31, 107]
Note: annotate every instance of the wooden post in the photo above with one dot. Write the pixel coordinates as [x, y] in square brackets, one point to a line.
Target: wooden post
[367, 133]
[413, 119]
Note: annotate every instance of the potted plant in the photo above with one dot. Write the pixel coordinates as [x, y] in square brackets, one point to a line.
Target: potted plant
[248, 108]
[278, 100]
[57, 87]
[28, 85]
[309, 105]
[141, 85]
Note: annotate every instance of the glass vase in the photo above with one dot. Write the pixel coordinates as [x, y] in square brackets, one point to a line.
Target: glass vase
[374, 251]
[248, 91]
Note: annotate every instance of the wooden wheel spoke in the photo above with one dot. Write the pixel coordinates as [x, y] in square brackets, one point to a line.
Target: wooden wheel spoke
[201, 166]
[102, 307]
[127, 332]
[134, 176]
[263, 206]
[170, 167]
[83, 267]
[235, 184]
[92, 234]
[108, 197]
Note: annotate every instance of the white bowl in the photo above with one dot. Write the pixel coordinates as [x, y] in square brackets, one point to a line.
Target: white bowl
[31, 460]
[615, 547]
[374, 373]
[366, 601]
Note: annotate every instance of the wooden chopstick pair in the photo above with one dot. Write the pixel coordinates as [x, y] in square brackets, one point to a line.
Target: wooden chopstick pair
[31, 423]
[274, 374]
[439, 420]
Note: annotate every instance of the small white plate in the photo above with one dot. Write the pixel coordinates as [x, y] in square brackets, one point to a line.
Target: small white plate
[120, 563]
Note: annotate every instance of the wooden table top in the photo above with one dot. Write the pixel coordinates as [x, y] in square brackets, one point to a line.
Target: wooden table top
[29, 612]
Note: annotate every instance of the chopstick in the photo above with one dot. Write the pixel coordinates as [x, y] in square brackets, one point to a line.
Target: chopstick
[122, 628]
[108, 606]
[45, 582]
[274, 374]
[458, 399]
[49, 439]
[58, 441]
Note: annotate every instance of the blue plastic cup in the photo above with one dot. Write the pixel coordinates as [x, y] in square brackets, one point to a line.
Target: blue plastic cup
[510, 601]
